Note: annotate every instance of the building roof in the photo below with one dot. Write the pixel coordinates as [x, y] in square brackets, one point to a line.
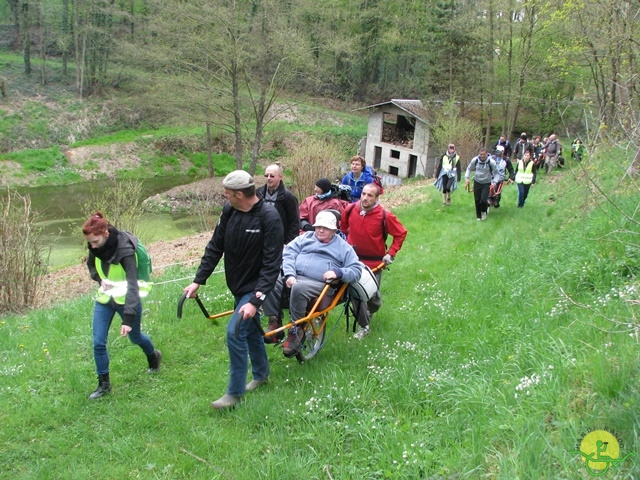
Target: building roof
[412, 107]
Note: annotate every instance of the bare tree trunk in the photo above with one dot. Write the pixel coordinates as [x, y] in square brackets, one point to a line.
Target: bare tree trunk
[209, 152]
[15, 17]
[26, 25]
[487, 136]
[65, 37]
[257, 139]
[237, 119]
[43, 43]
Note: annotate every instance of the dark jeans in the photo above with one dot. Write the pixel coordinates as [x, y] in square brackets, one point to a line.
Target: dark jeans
[447, 183]
[523, 193]
[481, 197]
[102, 317]
[248, 343]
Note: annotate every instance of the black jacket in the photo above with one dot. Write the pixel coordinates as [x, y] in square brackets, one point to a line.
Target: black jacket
[124, 255]
[287, 206]
[522, 147]
[252, 246]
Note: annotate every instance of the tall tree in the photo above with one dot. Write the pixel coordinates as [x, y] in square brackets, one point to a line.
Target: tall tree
[229, 60]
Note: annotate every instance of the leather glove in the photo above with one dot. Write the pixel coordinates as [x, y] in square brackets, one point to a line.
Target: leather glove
[387, 259]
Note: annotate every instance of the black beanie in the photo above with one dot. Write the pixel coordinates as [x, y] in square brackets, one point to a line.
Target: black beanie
[324, 184]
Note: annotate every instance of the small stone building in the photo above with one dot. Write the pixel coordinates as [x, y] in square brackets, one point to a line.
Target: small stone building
[397, 143]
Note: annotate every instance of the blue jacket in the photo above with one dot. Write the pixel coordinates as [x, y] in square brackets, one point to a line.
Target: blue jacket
[357, 185]
[308, 257]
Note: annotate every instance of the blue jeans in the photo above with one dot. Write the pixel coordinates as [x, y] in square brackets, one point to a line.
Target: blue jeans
[102, 316]
[249, 342]
[523, 193]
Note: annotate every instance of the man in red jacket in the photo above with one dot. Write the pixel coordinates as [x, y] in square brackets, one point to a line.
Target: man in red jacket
[367, 225]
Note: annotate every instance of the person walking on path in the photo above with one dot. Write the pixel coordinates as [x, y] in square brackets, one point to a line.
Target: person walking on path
[448, 173]
[112, 263]
[504, 165]
[552, 150]
[503, 142]
[525, 177]
[358, 177]
[367, 225]
[521, 146]
[486, 174]
[321, 199]
[286, 203]
[249, 235]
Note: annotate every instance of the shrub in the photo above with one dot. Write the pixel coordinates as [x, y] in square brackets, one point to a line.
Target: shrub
[313, 159]
[120, 203]
[23, 256]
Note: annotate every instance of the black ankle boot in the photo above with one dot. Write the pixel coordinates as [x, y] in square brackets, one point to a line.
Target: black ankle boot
[154, 361]
[104, 387]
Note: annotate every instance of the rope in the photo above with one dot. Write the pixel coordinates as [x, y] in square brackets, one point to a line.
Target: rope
[177, 263]
[335, 325]
[184, 278]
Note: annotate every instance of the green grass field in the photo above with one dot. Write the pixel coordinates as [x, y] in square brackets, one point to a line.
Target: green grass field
[500, 346]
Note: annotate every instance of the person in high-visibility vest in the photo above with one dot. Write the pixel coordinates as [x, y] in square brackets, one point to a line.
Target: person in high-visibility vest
[448, 173]
[525, 177]
[112, 263]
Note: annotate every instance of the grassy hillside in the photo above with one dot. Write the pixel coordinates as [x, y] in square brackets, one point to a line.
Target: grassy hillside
[500, 346]
[50, 136]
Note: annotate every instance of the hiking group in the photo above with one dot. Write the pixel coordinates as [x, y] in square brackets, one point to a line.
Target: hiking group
[505, 163]
[273, 249]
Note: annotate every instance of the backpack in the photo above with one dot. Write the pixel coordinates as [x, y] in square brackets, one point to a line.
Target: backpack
[143, 260]
[377, 179]
[341, 192]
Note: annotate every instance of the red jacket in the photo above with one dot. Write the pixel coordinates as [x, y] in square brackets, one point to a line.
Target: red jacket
[310, 207]
[366, 233]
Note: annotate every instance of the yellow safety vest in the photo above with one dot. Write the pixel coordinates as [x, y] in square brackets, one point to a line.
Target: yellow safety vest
[447, 164]
[525, 172]
[118, 279]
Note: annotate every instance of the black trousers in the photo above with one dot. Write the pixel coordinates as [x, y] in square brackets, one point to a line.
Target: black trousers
[481, 197]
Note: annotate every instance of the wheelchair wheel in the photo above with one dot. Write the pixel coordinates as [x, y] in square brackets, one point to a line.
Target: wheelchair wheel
[313, 338]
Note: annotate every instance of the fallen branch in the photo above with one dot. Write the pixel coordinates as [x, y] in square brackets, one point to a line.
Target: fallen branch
[219, 470]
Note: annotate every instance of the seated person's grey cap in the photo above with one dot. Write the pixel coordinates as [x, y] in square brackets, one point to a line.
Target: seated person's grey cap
[238, 180]
[327, 220]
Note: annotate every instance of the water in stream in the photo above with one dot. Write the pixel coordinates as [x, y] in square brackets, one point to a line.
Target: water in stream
[62, 216]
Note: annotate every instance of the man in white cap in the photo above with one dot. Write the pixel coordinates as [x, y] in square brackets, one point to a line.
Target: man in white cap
[308, 263]
[249, 234]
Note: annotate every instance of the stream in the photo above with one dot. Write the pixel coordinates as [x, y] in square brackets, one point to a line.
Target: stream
[61, 215]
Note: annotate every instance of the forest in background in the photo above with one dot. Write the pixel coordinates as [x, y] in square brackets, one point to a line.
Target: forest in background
[538, 66]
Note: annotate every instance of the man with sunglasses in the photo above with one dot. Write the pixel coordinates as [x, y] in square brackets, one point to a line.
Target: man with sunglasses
[285, 202]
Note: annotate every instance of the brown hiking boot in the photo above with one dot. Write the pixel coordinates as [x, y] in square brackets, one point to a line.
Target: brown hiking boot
[274, 324]
[293, 344]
